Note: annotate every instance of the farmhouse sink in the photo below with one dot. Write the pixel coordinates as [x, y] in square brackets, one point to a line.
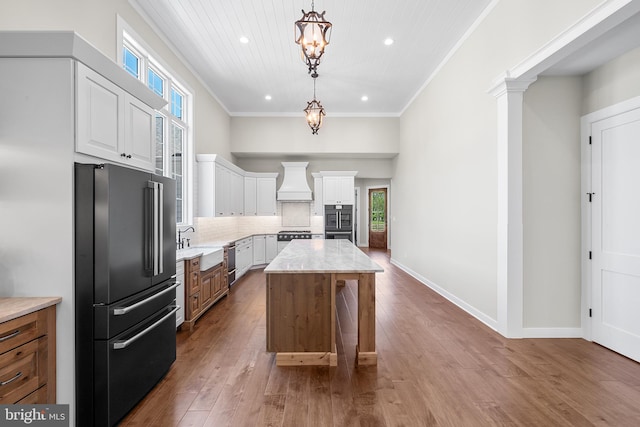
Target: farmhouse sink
[211, 256]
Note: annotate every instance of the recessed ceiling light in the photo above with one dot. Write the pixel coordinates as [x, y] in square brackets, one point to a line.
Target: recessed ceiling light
[244, 40]
[388, 41]
[267, 97]
[364, 98]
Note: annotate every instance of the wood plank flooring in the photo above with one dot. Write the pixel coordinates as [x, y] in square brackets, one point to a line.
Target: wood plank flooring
[437, 366]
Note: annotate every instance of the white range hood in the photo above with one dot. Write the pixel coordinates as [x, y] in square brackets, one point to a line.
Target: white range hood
[294, 186]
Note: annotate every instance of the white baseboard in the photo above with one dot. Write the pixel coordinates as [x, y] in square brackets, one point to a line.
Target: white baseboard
[552, 333]
[492, 323]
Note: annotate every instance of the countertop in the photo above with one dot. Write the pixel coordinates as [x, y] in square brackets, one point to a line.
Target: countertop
[196, 251]
[322, 256]
[14, 307]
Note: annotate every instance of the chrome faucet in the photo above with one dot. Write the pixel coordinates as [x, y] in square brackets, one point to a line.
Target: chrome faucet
[181, 239]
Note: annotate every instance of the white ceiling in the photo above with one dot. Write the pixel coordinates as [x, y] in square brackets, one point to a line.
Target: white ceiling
[356, 62]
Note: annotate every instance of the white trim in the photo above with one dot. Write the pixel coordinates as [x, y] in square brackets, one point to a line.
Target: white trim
[594, 24]
[586, 122]
[300, 114]
[509, 89]
[552, 333]
[492, 323]
[510, 235]
[487, 10]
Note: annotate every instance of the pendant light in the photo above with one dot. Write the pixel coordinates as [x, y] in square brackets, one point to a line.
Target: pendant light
[314, 112]
[313, 33]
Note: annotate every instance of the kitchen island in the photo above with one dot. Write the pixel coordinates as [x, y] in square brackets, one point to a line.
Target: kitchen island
[301, 301]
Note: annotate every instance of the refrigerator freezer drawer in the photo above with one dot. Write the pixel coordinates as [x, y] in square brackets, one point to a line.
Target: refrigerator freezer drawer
[143, 350]
[111, 320]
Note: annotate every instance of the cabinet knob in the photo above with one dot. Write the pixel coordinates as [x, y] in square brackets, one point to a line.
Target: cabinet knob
[123, 155]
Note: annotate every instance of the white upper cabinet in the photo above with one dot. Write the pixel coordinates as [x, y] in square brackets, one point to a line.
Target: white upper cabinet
[111, 124]
[250, 196]
[338, 187]
[266, 195]
[260, 194]
[220, 187]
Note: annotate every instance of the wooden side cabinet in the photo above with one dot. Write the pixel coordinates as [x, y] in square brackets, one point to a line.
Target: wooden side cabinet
[28, 353]
[202, 289]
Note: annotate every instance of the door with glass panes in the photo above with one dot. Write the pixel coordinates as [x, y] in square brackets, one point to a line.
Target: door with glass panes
[378, 218]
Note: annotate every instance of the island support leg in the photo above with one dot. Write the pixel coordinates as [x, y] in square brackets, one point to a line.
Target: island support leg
[366, 349]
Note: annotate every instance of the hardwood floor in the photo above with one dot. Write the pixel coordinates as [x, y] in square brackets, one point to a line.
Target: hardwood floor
[437, 366]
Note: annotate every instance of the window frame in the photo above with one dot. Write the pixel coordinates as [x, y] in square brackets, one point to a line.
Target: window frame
[148, 59]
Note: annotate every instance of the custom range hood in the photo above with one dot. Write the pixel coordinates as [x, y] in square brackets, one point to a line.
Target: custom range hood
[294, 186]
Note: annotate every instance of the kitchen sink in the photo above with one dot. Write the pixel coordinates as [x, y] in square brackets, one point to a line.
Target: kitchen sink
[211, 256]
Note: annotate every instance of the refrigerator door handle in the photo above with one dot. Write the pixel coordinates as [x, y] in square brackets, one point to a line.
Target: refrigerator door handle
[157, 233]
[120, 344]
[160, 230]
[119, 311]
[149, 261]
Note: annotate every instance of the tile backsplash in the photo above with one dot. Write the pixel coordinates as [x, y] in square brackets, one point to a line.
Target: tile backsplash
[291, 216]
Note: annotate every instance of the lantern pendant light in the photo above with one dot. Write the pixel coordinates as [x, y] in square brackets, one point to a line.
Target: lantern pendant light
[313, 33]
[314, 112]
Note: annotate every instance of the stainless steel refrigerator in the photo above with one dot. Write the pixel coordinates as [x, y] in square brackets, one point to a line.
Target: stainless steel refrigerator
[125, 285]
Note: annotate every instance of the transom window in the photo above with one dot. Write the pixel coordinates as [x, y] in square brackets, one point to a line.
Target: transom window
[173, 122]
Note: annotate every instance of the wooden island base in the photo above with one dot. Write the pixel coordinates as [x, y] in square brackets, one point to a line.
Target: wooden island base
[301, 313]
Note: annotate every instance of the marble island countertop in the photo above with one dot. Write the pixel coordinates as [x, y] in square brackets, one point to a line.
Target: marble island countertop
[322, 256]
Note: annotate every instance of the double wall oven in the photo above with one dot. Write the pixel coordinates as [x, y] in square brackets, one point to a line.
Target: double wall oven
[338, 222]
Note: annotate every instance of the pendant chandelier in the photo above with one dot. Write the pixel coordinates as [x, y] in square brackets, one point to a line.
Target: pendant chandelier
[313, 33]
[314, 112]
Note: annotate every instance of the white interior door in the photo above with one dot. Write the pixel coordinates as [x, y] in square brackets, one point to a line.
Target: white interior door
[616, 233]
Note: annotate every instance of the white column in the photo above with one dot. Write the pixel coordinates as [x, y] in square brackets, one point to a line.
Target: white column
[509, 93]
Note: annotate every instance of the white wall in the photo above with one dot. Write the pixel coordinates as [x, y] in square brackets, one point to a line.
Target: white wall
[612, 83]
[362, 137]
[551, 203]
[36, 194]
[445, 180]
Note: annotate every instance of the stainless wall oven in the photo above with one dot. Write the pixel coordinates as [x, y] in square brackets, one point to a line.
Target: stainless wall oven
[338, 222]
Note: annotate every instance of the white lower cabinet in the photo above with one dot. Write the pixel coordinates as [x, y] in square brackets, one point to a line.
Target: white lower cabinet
[244, 256]
[180, 293]
[281, 246]
[259, 250]
[271, 247]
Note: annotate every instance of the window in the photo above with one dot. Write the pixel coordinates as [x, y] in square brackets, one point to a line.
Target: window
[173, 122]
[131, 62]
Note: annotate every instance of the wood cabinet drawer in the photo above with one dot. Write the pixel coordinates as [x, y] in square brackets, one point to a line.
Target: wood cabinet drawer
[23, 370]
[194, 264]
[194, 282]
[37, 397]
[194, 304]
[21, 330]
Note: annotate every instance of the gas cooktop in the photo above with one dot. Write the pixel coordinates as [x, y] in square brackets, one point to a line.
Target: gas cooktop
[286, 235]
